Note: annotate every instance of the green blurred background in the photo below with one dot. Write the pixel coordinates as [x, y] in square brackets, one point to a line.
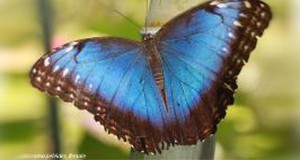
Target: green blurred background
[263, 123]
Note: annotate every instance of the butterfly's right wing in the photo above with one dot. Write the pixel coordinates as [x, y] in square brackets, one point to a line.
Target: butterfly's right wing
[111, 78]
[203, 51]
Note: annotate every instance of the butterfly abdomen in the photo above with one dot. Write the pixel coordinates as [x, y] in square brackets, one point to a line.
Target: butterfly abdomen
[155, 63]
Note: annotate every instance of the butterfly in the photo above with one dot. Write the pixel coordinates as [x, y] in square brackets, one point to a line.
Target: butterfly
[173, 87]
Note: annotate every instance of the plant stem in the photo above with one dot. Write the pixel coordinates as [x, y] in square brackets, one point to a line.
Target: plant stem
[45, 12]
[202, 150]
[160, 11]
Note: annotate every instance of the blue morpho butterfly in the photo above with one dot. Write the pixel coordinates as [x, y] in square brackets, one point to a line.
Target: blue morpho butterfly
[171, 88]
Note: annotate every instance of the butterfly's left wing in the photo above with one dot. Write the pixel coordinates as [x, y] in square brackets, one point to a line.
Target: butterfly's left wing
[111, 78]
[203, 51]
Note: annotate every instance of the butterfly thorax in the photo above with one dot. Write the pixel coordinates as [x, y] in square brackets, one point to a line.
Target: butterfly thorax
[155, 62]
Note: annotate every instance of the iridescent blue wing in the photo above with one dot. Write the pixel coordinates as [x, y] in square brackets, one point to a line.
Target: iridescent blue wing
[111, 78]
[203, 51]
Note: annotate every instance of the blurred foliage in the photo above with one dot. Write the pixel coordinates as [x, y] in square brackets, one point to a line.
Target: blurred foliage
[263, 123]
[10, 131]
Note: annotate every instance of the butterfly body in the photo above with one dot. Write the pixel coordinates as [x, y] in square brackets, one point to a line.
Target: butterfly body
[155, 63]
[171, 88]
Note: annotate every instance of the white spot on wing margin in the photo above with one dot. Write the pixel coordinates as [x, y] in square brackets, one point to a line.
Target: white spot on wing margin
[237, 23]
[66, 71]
[56, 68]
[47, 61]
[33, 70]
[247, 4]
[77, 78]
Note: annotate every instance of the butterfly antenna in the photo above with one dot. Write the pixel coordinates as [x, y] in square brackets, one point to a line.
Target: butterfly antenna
[119, 13]
[127, 18]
